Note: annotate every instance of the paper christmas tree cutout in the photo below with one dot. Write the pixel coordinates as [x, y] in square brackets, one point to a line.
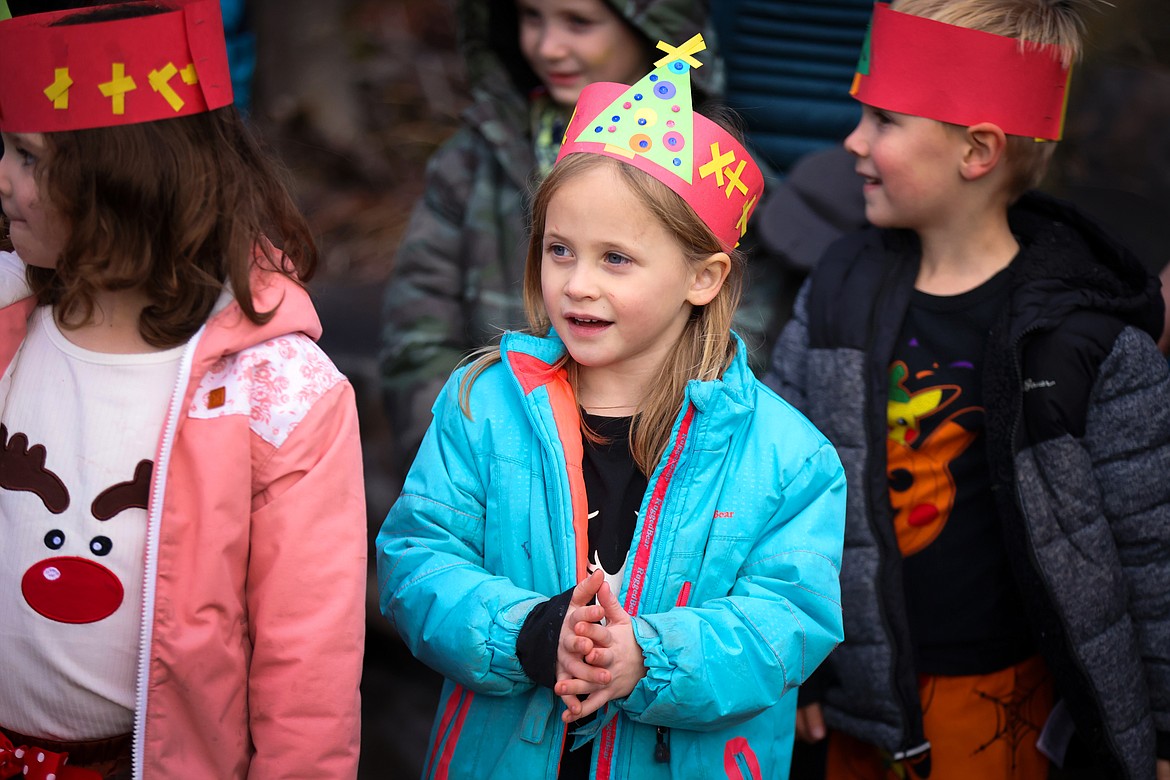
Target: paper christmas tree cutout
[653, 118]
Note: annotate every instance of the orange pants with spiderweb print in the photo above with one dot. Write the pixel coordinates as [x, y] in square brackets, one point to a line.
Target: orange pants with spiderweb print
[981, 727]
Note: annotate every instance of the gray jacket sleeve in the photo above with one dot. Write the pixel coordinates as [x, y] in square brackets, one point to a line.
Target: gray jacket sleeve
[423, 328]
[1098, 511]
[1129, 439]
[788, 368]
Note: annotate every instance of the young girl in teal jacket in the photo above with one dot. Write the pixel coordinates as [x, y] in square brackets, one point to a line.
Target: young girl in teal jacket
[619, 547]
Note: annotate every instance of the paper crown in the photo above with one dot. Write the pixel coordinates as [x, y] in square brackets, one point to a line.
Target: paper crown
[931, 69]
[652, 126]
[113, 72]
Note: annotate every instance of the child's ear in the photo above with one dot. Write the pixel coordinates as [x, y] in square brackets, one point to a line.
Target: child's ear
[709, 278]
[985, 147]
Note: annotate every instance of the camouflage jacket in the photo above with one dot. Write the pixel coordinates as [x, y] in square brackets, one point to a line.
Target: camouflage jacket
[456, 283]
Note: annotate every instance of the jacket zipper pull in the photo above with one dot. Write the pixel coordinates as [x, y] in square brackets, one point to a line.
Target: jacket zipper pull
[662, 745]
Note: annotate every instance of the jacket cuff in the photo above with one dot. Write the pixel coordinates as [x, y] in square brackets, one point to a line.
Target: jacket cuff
[1162, 745]
[536, 645]
[658, 669]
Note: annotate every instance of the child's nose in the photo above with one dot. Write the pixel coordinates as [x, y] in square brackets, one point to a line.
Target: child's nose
[552, 42]
[855, 142]
[581, 282]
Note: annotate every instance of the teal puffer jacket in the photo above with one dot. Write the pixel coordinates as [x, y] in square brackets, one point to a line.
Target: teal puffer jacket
[732, 581]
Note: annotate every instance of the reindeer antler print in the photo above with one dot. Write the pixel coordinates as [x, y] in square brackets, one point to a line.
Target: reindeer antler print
[125, 495]
[23, 468]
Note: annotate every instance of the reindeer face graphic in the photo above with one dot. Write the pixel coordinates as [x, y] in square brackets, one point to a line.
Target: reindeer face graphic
[69, 588]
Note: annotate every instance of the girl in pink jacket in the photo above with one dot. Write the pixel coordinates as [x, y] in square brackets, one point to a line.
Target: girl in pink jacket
[182, 522]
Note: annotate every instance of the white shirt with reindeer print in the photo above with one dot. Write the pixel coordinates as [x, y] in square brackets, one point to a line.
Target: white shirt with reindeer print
[77, 445]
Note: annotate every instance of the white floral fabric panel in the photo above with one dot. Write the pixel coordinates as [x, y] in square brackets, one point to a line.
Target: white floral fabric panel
[275, 383]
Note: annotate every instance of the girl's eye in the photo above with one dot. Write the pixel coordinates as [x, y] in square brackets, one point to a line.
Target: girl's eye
[613, 258]
[27, 160]
[580, 23]
[25, 157]
[557, 250]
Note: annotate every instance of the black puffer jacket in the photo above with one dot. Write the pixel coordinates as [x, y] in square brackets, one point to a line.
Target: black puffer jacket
[1078, 438]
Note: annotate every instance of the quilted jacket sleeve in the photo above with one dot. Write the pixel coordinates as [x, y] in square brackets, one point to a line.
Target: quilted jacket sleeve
[788, 368]
[1097, 504]
[424, 332]
[1131, 454]
[452, 613]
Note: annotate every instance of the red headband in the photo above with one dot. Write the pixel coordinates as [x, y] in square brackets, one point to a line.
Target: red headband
[651, 126]
[954, 74]
[117, 72]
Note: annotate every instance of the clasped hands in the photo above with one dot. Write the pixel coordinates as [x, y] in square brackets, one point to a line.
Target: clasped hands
[601, 662]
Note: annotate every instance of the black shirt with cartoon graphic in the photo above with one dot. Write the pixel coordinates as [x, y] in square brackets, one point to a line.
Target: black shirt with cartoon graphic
[961, 599]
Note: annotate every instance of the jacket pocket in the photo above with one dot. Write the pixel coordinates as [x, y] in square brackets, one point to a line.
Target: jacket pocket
[516, 545]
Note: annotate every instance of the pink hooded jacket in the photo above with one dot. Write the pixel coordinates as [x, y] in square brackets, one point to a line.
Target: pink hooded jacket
[253, 599]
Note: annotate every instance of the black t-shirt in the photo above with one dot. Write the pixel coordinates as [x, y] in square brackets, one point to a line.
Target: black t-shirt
[614, 487]
[963, 607]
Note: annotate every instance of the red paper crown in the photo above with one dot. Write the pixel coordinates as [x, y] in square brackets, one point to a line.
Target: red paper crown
[954, 74]
[115, 72]
[652, 127]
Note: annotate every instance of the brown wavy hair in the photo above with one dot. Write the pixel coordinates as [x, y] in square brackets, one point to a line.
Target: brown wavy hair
[704, 349]
[174, 208]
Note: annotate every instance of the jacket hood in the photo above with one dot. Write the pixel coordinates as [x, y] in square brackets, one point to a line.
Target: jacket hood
[228, 331]
[1070, 262]
[497, 71]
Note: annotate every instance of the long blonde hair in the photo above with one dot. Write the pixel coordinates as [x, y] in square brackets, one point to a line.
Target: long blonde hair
[1056, 22]
[704, 349]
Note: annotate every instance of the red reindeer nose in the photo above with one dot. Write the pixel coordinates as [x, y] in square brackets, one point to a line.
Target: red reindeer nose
[71, 590]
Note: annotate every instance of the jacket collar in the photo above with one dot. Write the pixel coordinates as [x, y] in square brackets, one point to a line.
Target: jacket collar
[533, 362]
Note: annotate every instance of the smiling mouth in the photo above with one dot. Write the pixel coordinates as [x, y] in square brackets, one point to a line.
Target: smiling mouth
[587, 322]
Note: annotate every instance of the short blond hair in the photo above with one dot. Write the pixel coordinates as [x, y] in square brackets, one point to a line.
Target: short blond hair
[1055, 22]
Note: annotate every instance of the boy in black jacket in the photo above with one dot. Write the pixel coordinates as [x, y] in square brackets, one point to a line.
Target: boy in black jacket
[984, 361]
